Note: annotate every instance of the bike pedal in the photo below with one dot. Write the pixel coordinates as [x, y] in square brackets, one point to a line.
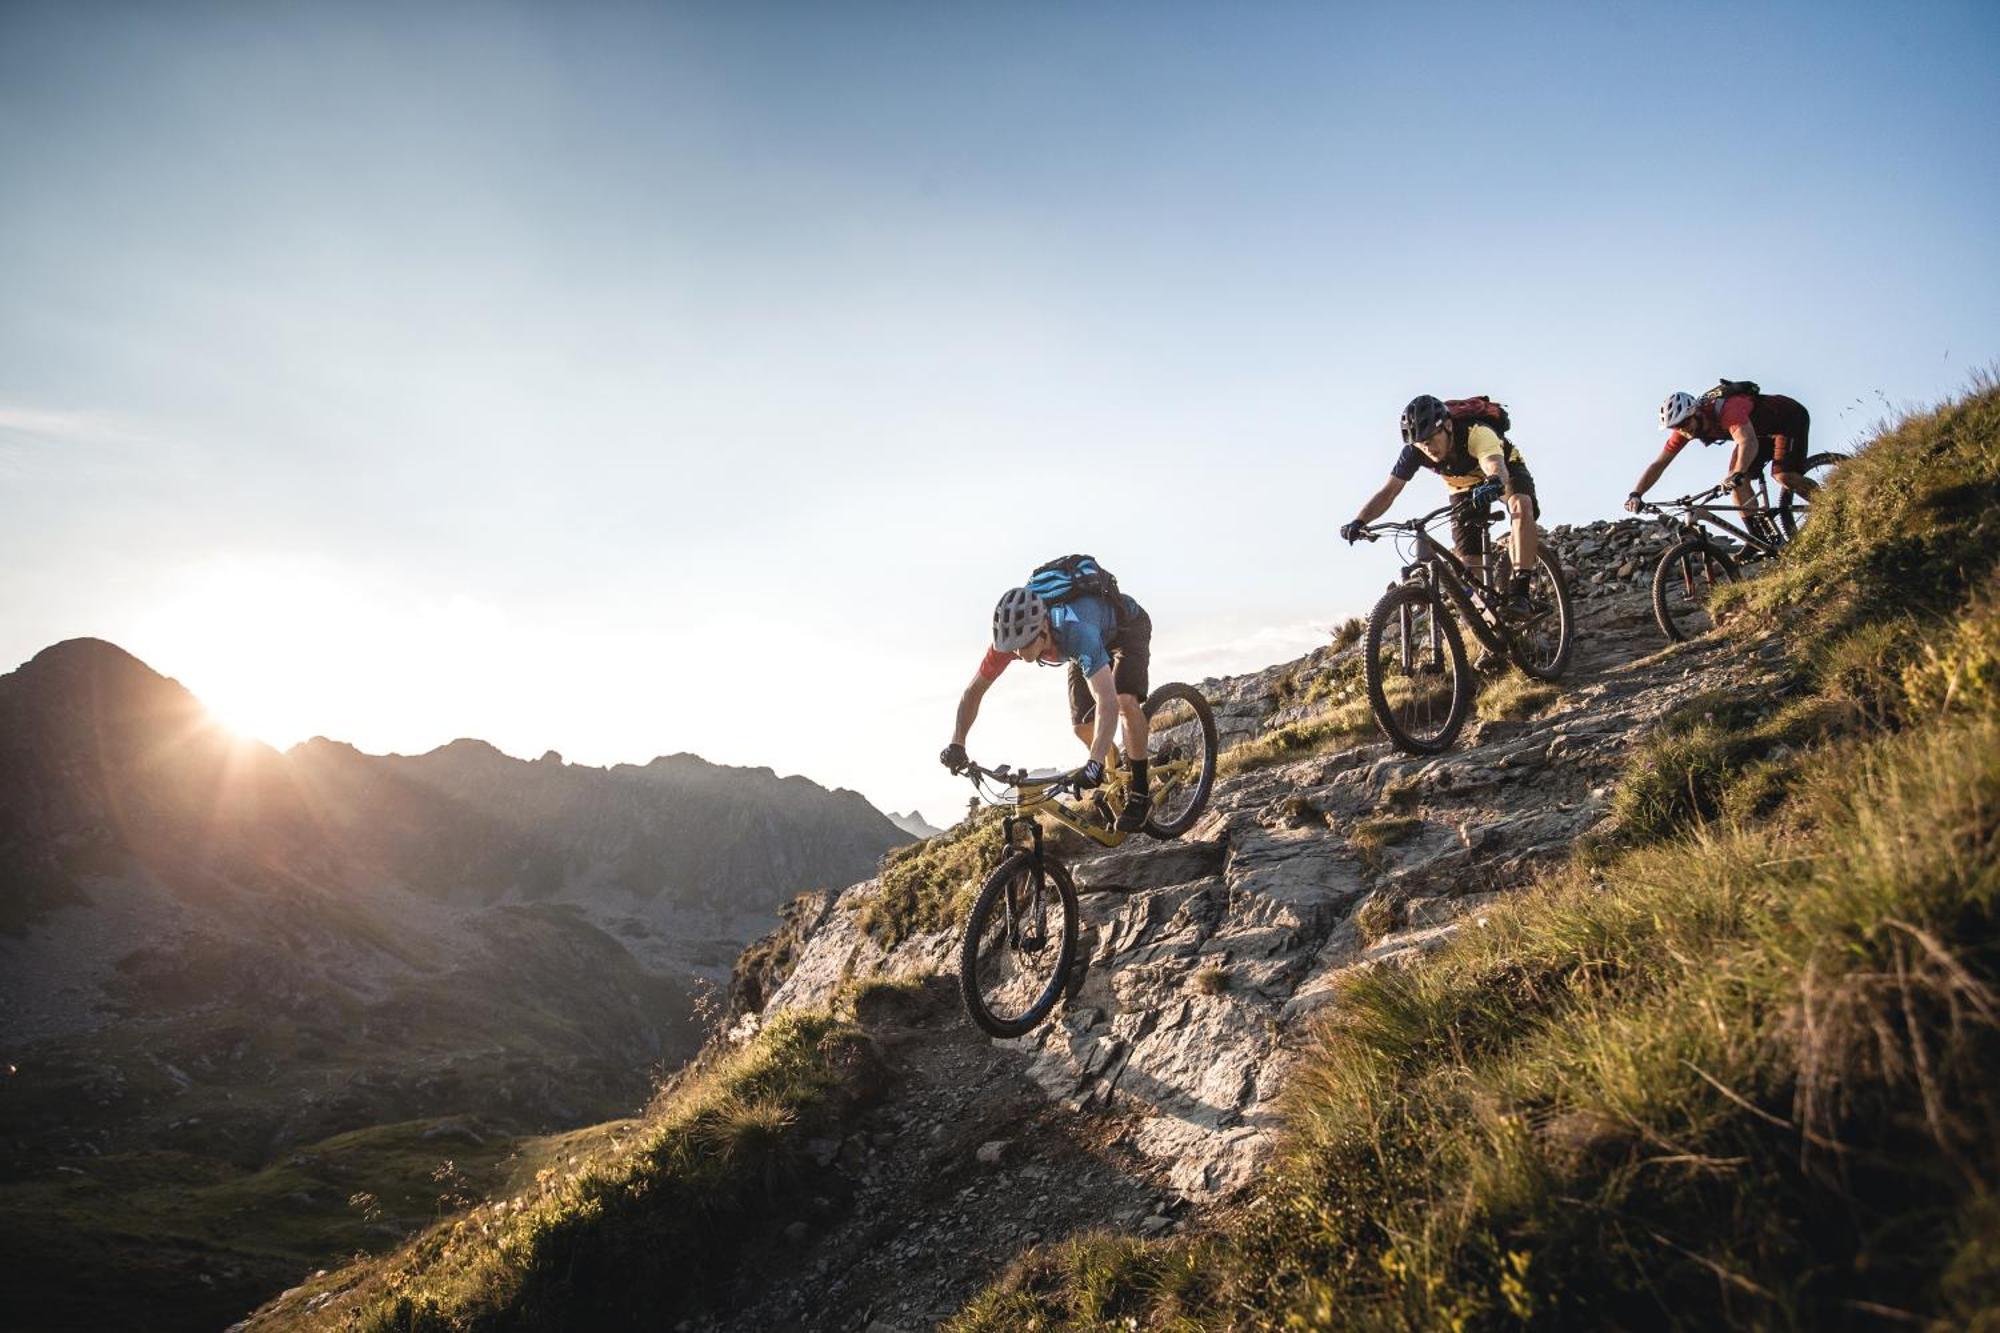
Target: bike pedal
[1103, 807]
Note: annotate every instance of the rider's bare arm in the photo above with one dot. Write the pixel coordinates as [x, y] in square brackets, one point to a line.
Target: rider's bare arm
[968, 708]
[1378, 503]
[1648, 477]
[1741, 457]
[1104, 688]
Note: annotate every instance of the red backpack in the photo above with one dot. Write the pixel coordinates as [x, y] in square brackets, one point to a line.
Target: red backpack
[1481, 410]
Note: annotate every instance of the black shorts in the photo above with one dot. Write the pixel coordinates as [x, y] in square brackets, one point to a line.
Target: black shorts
[1466, 527]
[1131, 661]
[1787, 451]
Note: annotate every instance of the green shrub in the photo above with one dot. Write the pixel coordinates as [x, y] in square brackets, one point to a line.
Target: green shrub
[930, 885]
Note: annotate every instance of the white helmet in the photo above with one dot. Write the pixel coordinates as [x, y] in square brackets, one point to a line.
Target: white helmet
[1018, 619]
[1678, 408]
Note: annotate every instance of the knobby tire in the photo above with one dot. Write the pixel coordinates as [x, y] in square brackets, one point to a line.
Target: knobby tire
[983, 907]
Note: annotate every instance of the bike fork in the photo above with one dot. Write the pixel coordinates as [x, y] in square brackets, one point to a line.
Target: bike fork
[1032, 907]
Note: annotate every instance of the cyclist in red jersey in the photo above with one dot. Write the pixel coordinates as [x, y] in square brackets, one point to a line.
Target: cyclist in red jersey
[1765, 428]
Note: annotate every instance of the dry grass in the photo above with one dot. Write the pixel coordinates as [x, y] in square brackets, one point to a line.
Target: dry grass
[1515, 696]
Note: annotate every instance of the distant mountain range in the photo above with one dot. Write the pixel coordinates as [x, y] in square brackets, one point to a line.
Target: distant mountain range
[214, 948]
[914, 824]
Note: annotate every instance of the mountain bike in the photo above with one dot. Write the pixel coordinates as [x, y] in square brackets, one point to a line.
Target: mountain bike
[1020, 938]
[1691, 569]
[1414, 657]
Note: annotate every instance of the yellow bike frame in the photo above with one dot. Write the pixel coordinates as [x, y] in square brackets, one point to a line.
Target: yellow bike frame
[1032, 799]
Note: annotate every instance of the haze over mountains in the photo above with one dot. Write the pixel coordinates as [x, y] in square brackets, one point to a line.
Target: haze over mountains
[216, 950]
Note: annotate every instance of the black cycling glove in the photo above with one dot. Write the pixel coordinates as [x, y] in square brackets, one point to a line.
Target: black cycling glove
[1090, 775]
[1486, 492]
[1351, 532]
[954, 758]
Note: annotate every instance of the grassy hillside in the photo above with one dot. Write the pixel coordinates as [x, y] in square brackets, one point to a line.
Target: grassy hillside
[1736, 1065]
[631, 1227]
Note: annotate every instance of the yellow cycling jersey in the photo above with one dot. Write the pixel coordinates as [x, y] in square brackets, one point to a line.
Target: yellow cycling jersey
[1481, 443]
[1462, 468]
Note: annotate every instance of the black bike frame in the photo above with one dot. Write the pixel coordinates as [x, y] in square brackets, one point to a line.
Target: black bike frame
[1440, 568]
[1700, 512]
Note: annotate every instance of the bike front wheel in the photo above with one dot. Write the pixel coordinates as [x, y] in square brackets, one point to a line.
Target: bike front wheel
[1687, 577]
[1541, 644]
[1019, 943]
[1418, 681]
[1181, 748]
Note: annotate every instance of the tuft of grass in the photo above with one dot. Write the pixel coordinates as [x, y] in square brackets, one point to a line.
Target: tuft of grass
[1097, 1281]
[1335, 727]
[1402, 793]
[1374, 918]
[1212, 979]
[1330, 676]
[1515, 696]
[1714, 754]
[929, 886]
[1299, 812]
[1370, 836]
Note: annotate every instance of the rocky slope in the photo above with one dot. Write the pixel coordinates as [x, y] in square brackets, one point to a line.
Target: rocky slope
[1207, 957]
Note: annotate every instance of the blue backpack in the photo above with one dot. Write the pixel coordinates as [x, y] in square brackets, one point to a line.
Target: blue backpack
[1075, 576]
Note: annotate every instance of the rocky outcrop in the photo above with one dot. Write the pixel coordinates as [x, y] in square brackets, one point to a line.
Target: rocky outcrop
[1207, 958]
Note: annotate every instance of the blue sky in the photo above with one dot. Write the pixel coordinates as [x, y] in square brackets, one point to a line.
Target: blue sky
[625, 379]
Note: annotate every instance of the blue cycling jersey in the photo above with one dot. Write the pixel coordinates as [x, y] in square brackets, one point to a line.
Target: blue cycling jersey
[1084, 628]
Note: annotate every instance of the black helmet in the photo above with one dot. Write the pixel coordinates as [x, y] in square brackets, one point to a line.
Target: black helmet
[1423, 418]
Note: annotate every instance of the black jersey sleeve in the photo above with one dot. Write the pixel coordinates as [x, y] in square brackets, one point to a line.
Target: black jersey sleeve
[1407, 463]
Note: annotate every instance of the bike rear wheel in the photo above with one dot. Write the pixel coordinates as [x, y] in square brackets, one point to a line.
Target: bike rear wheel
[1687, 576]
[1541, 645]
[1019, 943]
[1793, 510]
[1181, 746]
[1418, 681]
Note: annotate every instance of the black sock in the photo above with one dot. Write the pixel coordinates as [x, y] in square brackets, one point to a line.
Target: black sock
[1521, 583]
[1138, 767]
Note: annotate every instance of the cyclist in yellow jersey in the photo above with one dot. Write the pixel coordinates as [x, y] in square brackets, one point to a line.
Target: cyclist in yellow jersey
[1471, 456]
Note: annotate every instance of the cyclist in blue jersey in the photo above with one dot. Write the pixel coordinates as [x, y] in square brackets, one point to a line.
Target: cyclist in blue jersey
[1107, 642]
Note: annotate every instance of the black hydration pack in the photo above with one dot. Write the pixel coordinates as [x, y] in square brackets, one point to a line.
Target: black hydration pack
[1074, 576]
[1731, 389]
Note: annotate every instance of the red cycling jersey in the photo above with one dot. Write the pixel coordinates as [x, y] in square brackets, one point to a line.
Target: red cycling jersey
[1772, 415]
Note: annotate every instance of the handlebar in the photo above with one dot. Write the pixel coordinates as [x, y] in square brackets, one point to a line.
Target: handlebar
[1374, 531]
[1688, 501]
[1054, 782]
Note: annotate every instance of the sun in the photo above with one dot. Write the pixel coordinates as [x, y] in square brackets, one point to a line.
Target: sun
[256, 642]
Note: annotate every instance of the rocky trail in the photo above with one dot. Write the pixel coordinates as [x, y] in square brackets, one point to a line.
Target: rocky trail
[1152, 1097]
[963, 1159]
